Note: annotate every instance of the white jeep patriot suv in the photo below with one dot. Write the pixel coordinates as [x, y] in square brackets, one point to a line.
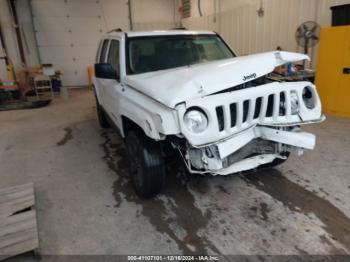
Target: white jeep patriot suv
[187, 92]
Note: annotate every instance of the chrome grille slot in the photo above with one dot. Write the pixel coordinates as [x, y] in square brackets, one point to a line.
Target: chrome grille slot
[233, 111]
[270, 105]
[220, 117]
[282, 105]
[245, 110]
[258, 105]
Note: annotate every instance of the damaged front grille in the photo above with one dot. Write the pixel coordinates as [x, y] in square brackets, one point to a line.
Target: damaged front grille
[271, 106]
[243, 110]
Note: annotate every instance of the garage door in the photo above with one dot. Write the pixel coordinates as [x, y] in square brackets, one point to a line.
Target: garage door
[68, 32]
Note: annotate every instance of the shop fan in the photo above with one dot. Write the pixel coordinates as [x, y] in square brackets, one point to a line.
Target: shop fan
[308, 35]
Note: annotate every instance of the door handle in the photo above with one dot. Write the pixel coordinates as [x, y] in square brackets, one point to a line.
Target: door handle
[346, 70]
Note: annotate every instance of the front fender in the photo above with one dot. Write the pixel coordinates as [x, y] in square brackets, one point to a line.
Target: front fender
[96, 89]
[154, 118]
[143, 119]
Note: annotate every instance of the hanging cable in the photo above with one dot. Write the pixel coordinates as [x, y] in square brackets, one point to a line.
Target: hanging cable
[200, 8]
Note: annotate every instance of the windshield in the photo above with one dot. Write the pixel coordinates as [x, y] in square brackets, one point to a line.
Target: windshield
[152, 53]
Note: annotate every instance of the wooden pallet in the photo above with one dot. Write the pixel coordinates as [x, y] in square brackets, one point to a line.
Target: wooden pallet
[18, 223]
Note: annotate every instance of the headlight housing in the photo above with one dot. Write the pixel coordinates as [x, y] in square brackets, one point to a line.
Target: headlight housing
[294, 101]
[308, 97]
[195, 121]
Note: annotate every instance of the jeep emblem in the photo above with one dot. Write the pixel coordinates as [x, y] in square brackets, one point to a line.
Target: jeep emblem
[251, 76]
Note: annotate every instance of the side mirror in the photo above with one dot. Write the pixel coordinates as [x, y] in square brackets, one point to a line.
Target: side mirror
[105, 70]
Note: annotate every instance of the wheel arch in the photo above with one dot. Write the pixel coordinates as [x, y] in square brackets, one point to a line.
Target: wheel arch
[146, 126]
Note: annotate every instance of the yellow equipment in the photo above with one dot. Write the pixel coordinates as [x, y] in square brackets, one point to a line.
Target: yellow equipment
[333, 70]
[90, 72]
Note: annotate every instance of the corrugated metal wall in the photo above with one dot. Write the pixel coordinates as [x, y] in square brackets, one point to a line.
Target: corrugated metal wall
[248, 33]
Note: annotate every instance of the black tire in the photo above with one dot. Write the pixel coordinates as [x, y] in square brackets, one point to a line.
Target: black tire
[102, 119]
[146, 164]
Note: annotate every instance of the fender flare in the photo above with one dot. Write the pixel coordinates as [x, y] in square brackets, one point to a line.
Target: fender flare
[96, 90]
[145, 123]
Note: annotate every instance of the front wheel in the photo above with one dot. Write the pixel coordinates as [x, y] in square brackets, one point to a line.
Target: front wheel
[146, 164]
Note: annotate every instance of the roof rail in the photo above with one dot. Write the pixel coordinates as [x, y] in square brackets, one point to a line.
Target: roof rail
[179, 28]
[115, 30]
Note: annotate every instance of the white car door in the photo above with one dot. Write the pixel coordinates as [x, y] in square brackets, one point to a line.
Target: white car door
[113, 86]
[100, 82]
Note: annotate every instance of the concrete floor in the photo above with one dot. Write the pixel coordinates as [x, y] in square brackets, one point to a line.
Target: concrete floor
[86, 204]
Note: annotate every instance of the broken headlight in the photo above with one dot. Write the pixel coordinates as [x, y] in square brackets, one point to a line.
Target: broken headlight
[294, 102]
[195, 121]
[308, 97]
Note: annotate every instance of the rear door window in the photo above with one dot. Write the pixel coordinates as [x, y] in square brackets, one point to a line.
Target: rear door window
[104, 51]
[97, 57]
[113, 56]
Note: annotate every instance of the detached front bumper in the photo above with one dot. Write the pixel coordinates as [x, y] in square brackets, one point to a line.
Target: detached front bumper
[292, 138]
[249, 149]
[291, 141]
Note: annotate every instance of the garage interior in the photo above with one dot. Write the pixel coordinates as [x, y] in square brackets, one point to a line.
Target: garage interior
[84, 202]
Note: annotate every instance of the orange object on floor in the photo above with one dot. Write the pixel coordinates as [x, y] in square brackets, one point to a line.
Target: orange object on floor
[90, 71]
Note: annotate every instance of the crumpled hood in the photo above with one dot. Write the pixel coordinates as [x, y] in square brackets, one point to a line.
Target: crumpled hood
[173, 86]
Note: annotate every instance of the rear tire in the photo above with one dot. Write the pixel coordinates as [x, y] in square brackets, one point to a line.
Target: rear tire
[146, 164]
[102, 119]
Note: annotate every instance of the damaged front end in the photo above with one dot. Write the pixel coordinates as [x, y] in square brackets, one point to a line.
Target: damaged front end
[247, 150]
[247, 127]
